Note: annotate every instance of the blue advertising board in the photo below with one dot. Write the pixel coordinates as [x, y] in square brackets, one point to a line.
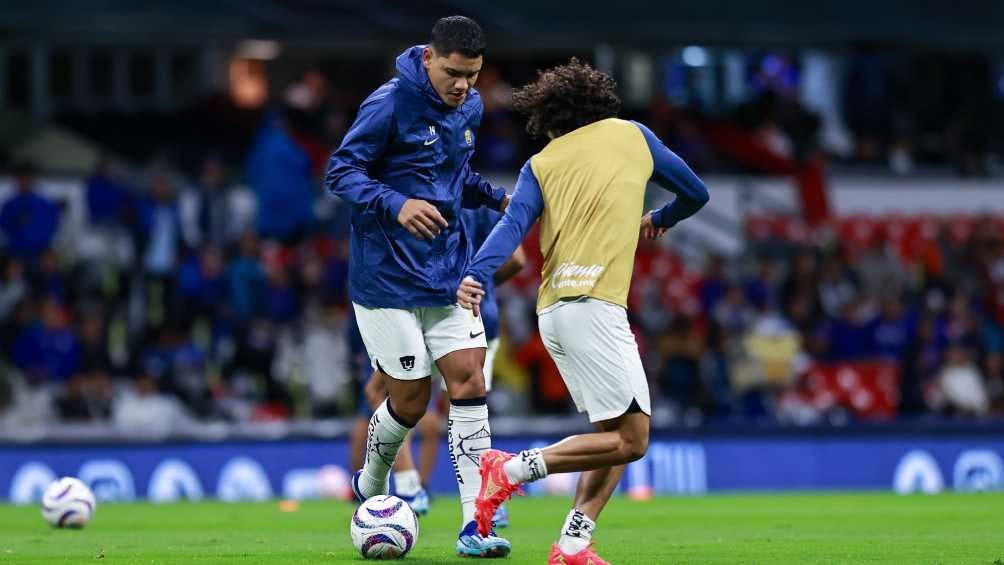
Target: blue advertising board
[310, 468]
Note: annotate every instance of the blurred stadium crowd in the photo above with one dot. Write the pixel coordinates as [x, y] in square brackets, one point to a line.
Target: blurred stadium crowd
[218, 291]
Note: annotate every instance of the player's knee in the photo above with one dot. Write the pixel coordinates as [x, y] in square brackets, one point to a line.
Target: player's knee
[410, 407]
[633, 446]
[468, 382]
[411, 412]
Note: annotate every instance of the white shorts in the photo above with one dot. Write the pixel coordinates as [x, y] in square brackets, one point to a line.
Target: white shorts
[493, 348]
[405, 343]
[592, 345]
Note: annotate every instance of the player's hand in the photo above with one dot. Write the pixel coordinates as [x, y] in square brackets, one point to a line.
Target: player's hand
[469, 295]
[649, 230]
[421, 219]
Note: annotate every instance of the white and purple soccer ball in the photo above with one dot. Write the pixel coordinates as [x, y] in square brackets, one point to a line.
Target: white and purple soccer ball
[384, 527]
[68, 503]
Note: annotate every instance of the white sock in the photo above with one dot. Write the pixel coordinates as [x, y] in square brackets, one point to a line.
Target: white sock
[468, 435]
[407, 483]
[383, 441]
[576, 533]
[528, 465]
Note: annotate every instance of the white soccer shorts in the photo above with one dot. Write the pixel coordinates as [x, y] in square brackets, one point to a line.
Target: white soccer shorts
[405, 343]
[592, 345]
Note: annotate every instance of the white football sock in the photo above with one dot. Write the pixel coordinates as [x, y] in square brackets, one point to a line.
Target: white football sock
[407, 483]
[383, 441]
[576, 533]
[468, 435]
[528, 465]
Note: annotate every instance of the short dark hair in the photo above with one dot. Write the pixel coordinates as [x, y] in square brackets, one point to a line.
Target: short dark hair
[566, 98]
[457, 34]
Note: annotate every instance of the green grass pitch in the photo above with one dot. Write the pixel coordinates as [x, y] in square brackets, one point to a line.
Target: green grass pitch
[760, 529]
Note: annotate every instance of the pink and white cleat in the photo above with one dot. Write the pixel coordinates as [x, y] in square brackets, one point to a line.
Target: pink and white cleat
[495, 488]
[585, 557]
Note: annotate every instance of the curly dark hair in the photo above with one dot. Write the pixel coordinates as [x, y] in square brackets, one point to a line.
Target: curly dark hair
[566, 98]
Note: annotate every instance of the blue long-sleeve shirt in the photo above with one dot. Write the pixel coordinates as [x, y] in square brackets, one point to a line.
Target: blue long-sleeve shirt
[527, 204]
[407, 143]
[29, 222]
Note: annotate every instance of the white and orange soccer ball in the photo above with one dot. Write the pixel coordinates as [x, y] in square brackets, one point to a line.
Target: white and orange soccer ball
[68, 503]
[384, 527]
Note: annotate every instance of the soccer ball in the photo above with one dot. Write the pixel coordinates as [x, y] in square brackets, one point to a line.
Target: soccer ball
[384, 527]
[68, 503]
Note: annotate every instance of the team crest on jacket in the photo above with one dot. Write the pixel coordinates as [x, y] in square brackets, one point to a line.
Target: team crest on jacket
[468, 136]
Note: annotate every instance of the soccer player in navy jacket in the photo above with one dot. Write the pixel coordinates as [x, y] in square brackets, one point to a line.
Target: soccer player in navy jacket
[404, 166]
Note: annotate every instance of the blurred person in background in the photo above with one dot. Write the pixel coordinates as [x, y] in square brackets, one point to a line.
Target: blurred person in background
[109, 200]
[246, 281]
[892, 330]
[278, 170]
[254, 386]
[161, 246]
[960, 387]
[28, 220]
[202, 285]
[679, 377]
[13, 289]
[921, 361]
[214, 210]
[48, 351]
[89, 395]
[142, 409]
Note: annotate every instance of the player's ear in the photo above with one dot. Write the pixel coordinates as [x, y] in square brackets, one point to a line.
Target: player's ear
[427, 55]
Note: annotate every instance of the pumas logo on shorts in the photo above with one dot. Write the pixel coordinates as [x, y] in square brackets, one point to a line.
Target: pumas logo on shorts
[408, 362]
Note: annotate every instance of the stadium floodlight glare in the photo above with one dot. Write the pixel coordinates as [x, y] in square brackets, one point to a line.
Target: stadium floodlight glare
[694, 56]
[259, 49]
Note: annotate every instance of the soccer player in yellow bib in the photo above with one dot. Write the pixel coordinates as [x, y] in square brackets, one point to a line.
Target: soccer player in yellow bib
[587, 188]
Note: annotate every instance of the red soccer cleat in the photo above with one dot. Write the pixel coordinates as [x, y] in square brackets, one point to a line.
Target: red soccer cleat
[495, 488]
[585, 557]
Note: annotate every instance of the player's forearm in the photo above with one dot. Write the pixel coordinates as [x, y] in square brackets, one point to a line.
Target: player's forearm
[671, 172]
[511, 267]
[524, 208]
[497, 249]
[691, 194]
[680, 209]
[479, 192]
[346, 181]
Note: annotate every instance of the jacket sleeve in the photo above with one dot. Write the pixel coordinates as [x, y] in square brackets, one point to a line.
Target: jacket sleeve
[526, 206]
[673, 174]
[348, 176]
[479, 192]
